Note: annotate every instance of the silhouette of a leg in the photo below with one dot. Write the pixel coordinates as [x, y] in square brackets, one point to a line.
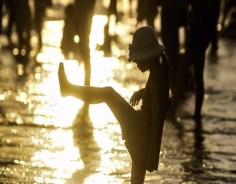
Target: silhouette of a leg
[137, 174]
[93, 95]
[85, 52]
[84, 15]
[170, 38]
[199, 79]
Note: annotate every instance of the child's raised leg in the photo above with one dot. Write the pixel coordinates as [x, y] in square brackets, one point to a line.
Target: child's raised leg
[122, 110]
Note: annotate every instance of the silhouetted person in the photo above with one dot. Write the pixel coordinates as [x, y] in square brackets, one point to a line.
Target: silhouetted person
[106, 47]
[40, 7]
[173, 17]
[142, 129]
[82, 14]
[201, 26]
[20, 16]
[147, 10]
[68, 45]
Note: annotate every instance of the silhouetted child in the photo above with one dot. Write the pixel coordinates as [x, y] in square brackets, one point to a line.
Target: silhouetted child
[142, 129]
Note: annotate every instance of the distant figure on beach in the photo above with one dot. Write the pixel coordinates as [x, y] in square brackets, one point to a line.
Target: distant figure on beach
[176, 10]
[112, 10]
[147, 10]
[214, 22]
[40, 7]
[78, 22]
[142, 129]
[202, 25]
[20, 17]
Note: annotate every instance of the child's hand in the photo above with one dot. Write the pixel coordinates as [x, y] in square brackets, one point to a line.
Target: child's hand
[136, 97]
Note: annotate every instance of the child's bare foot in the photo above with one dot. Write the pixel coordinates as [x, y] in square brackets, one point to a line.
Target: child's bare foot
[63, 80]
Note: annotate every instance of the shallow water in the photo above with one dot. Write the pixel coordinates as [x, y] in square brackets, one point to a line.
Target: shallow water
[45, 138]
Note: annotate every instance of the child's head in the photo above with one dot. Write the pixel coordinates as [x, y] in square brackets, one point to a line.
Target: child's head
[145, 45]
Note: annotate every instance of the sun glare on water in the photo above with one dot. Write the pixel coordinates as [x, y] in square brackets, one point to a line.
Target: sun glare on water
[63, 111]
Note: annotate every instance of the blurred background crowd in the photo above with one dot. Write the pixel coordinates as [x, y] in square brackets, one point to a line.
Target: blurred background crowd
[187, 28]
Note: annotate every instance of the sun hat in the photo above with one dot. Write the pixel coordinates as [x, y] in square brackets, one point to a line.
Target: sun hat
[144, 45]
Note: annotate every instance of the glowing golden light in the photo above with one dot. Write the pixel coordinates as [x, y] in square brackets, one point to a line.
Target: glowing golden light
[76, 39]
[55, 27]
[97, 30]
[63, 110]
[23, 52]
[15, 51]
[74, 71]
[64, 151]
[100, 177]
[219, 27]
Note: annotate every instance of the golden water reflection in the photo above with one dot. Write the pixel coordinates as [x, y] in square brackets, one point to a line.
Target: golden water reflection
[72, 155]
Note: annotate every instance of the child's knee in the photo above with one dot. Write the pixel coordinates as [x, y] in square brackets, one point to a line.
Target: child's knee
[110, 94]
[109, 90]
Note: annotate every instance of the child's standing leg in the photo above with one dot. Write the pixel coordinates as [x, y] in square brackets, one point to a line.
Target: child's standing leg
[137, 174]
